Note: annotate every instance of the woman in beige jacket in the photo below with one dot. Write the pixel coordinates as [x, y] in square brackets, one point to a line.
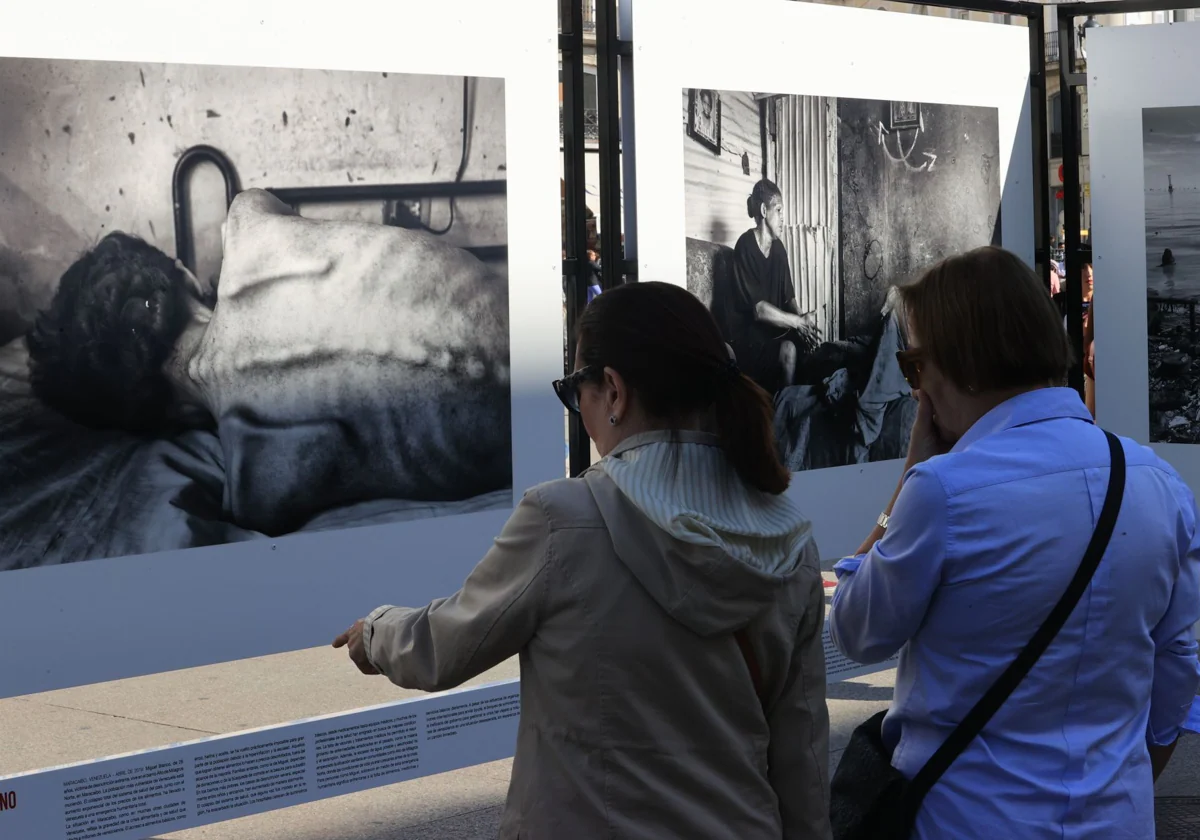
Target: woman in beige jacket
[667, 605]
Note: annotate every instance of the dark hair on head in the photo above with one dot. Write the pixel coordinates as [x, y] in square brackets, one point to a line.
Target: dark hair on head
[96, 354]
[985, 320]
[764, 192]
[665, 343]
[1085, 256]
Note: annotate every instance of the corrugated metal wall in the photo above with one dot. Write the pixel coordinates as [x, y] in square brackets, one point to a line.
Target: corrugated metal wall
[805, 154]
[715, 186]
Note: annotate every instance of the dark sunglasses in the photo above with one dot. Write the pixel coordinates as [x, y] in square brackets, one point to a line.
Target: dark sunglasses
[567, 388]
[910, 366]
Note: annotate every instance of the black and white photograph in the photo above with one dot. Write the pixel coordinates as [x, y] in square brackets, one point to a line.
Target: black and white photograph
[239, 303]
[801, 226]
[704, 118]
[1171, 158]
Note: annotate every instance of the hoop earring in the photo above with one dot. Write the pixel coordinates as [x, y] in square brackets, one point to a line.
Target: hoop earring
[612, 419]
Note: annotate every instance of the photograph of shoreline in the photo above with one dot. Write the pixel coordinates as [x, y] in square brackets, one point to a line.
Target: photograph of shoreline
[1171, 159]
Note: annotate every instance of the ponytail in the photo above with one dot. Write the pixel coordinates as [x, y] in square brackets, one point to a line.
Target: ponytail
[745, 424]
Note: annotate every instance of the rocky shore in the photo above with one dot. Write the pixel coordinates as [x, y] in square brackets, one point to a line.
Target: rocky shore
[1174, 368]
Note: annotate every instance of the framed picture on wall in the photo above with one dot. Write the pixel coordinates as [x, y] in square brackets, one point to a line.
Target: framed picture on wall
[904, 116]
[704, 118]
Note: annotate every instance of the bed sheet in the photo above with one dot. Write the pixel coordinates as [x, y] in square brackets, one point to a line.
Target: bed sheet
[69, 494]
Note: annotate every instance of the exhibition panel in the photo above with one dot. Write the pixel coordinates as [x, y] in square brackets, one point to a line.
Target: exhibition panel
[1145, 125]
[819, 154]
[255, 307]
[281, 302]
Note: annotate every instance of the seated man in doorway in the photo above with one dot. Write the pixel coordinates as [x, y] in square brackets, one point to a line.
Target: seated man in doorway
[342, 361]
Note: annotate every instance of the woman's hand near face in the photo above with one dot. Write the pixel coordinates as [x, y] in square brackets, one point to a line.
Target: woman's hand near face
[926, 441]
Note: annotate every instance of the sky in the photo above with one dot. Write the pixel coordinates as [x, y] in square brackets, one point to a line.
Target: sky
[1171, 146]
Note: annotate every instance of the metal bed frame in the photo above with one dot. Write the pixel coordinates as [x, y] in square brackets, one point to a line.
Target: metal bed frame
[197, 155]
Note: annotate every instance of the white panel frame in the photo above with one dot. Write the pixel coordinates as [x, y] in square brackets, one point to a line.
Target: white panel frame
[1130, 68]
[804, 48]
[123, 617]
[456, 542]
[42, 809]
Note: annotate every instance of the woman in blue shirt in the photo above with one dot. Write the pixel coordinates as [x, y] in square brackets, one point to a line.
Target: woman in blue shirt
[1005, 479]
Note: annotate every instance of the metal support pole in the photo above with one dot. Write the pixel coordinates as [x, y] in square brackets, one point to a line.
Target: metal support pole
[1041, 145]
[1068, 80]
[574, 210]
[608, 94]
[628, 150]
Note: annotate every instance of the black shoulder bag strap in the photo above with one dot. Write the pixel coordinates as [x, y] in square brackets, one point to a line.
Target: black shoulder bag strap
[1004, 686]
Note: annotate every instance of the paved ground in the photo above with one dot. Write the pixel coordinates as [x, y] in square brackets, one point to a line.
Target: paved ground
[94, 721]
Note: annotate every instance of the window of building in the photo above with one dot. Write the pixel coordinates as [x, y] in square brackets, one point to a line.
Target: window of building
[591, 119]
[1056, 144]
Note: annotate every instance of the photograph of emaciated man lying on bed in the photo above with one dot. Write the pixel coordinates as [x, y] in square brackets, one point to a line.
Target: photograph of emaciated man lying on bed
[239, 303]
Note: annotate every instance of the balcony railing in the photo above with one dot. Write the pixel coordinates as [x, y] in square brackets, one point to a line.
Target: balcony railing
[591, 125]
[1052, 50]
[589, 16]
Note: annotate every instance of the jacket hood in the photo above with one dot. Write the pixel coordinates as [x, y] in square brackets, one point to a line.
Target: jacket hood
[710, 550]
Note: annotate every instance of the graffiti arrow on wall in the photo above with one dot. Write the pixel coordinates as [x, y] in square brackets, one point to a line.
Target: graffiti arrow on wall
[904, 155]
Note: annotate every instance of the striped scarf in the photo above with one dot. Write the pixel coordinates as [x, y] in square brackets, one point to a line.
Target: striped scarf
[692, 492]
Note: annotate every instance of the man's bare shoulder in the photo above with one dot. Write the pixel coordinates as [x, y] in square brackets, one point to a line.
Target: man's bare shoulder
[258, 202]
[253, 209]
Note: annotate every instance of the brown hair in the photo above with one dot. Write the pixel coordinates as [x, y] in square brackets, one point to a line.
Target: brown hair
[667, 346]
[985, 320]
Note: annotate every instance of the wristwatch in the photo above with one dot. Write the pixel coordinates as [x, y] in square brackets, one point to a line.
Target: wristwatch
[883, 521]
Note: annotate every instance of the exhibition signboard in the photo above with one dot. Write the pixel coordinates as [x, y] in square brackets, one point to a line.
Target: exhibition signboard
[837, 135]
[280, 304]
[1145, 176]
[242, 404]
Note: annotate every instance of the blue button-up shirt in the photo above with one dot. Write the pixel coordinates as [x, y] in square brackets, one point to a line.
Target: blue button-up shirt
[982, 543]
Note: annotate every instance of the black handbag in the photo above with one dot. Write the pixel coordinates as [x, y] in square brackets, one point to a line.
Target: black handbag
[870, 799]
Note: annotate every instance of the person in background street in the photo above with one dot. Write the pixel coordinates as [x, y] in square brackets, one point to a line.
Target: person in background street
[593, 256]
[1058, 273]
[667, 606]
[1004, 482]
[1089, 332]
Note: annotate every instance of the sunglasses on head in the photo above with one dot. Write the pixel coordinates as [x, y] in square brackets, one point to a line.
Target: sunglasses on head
[910, 367]
[567, 388]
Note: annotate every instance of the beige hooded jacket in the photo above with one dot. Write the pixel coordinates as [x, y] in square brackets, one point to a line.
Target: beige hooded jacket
[621, 591]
